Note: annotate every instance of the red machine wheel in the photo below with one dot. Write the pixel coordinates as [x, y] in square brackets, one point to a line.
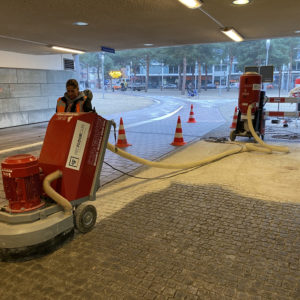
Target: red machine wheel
[232, 135]
[85, 217]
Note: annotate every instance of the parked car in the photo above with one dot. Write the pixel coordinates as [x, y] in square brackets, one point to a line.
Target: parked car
[209, 86]
[234, 84]
[170, 86]
[153, 85]
[137, 86]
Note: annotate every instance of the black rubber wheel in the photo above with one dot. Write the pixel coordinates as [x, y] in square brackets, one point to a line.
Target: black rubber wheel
[85, 217]
[232, 135]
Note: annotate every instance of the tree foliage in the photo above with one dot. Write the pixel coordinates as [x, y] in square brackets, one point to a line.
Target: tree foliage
[248, 53]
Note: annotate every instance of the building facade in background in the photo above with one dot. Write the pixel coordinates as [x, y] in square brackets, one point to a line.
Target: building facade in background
[168, 75]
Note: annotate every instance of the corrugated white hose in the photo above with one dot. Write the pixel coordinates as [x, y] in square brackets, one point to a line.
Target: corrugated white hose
[260, 141]
[243, 147]
[172, 166]
[59, 199]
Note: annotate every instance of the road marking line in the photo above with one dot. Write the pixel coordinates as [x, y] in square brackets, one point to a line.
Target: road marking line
[20, 147]
[156, 119]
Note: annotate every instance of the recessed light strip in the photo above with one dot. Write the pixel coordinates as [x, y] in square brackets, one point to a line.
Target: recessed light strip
[191, 3]
[67, 50]
[241, 2]
[230, 32]
[80, 23]
[233, 34]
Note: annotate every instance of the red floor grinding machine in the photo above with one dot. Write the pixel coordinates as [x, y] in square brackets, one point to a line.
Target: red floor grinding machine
[50, 196]
[250, 92]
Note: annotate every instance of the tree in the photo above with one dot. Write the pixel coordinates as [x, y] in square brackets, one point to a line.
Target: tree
[203, 53]
[229, 52]
[181, 56]
[93, 59]
[136, 58]
[87, 59]
[282, 51]
[171, 56]
[249, 53]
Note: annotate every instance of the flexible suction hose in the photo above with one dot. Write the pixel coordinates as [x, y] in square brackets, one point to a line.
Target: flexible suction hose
[171, 166]
[59, 199]
[260, 141]
[263, 147]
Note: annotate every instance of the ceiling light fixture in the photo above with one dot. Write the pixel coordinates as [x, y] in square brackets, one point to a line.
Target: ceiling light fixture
[233, 34]
[148, 45]
[230, 32]
[80, 23]
[241, 2]
[191, 3]
[67, 50]
[297, 31]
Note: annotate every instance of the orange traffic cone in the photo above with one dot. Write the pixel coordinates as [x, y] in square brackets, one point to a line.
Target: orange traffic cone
[234, 120]
[178, 138]
[191, 118]
[122, 141]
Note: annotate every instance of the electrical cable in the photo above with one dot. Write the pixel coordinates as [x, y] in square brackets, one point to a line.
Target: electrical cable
[180, 172]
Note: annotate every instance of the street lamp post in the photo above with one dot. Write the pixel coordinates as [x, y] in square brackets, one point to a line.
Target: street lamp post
[268, 42]
[221, 67]
[196, 71]
[131, 73]
[102, 66]
[221, 72]
[162, 76]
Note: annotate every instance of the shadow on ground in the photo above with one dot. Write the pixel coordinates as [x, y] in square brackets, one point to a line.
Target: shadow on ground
[183, 242]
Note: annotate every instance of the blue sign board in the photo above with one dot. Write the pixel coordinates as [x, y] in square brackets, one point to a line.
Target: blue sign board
[106, 49]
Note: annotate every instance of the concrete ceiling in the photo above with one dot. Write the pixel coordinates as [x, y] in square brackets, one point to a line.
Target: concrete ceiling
[30, 26]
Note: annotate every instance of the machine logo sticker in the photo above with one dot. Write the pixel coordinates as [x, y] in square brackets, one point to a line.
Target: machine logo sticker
[6, 172]
[256, 87]
[73, 162]
[78, 145]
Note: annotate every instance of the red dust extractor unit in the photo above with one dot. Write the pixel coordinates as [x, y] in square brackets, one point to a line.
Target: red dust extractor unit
[250, 93]
[50, 196]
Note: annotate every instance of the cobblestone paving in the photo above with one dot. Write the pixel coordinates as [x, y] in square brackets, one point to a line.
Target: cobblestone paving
[182, 242]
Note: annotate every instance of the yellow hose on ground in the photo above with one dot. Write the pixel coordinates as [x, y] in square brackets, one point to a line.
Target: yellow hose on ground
[59, 199]
[256, 137]
[263, 147]
[171, 166]
[252, 147]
